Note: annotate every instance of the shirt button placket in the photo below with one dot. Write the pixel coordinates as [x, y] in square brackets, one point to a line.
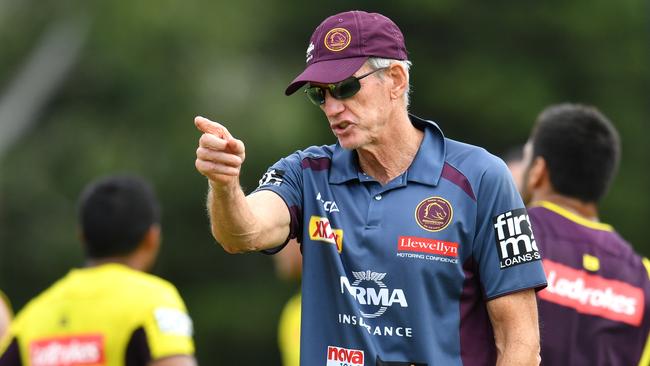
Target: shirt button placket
[375, 211]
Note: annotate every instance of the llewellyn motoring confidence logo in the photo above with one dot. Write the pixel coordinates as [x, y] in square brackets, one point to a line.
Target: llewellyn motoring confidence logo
[434, 214]
[514, 238]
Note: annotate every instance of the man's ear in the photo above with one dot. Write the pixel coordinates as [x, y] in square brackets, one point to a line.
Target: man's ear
[538, 173]
[151, 240]
[397, 73]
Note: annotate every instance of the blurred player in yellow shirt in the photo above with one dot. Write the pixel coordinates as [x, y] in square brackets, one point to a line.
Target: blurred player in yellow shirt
[5, 314]
[288, 265]
[110, 312]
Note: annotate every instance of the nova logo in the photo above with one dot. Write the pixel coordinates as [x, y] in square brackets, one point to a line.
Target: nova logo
[69, 351]
[337, 356]
[321, 230]
[514, 238]
[378, 298]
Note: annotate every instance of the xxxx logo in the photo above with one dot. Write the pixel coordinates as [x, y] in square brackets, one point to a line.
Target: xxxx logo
[320, 229]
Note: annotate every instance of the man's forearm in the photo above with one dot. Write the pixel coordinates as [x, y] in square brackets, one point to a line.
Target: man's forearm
[232, 222]
[516, 329]
[518, 352]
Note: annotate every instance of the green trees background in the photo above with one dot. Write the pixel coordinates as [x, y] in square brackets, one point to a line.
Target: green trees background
[143, 69]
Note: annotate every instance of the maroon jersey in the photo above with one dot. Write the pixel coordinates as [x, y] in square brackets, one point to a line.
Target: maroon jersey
[596, 308]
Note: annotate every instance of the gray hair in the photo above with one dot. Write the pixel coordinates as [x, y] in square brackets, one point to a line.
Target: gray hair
[378, 63]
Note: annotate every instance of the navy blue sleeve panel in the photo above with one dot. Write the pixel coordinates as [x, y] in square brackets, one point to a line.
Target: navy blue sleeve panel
[137, 351]
[285, 178]
[504, 245]
[11, 356]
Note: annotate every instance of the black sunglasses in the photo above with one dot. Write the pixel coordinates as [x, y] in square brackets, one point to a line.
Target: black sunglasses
[341, 90]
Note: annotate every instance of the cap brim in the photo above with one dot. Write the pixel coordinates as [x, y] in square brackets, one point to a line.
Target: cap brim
[328, 71]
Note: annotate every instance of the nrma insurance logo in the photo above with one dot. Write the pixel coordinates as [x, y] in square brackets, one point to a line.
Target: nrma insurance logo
[374, 298]
[514, 238]
[369, 290]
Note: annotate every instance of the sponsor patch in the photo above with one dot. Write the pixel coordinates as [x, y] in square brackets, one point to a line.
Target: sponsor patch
[73, 350]
[369, 290]
[514, 238]
[426, 245]
[590, 263]
[320, 229]
[339, 356]
[434, 214]
[337, 39]
[593, 295]
[272, 177]
[372, 298]
[173, 321]
[328, 206]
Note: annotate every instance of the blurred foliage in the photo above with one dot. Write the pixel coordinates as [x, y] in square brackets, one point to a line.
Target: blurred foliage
[482, 70]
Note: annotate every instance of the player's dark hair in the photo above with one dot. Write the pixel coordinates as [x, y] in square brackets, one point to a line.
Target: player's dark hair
[115, 213]
[581, 148]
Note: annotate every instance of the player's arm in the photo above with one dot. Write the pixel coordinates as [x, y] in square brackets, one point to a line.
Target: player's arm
[516, 328]
[10, 353]
[174, 361]
[239, 223]
[5, 314]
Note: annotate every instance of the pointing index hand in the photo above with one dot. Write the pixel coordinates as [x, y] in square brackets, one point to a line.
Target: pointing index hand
[213, 128]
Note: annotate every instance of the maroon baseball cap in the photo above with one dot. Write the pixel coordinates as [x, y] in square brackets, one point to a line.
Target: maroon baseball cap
[342, 43]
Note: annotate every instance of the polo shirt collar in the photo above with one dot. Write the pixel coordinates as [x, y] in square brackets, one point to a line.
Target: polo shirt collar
[426, 167]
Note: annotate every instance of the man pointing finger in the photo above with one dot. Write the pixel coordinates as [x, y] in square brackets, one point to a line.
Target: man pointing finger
[407, 270]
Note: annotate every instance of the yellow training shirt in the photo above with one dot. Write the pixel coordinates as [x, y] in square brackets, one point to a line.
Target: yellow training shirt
[93, 315]
[289, 332]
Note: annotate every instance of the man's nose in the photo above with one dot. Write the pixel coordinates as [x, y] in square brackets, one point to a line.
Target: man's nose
[332, 106]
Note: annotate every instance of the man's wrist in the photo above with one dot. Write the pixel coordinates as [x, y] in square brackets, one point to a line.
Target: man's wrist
[221, 189]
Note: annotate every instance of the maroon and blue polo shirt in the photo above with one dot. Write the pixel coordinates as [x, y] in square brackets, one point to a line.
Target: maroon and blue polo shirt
[399, 274]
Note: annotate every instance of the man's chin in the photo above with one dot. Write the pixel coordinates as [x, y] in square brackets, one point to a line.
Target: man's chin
[348, 145]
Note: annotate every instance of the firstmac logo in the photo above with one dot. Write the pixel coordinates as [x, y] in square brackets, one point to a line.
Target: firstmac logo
[514, 238]
[320, 229]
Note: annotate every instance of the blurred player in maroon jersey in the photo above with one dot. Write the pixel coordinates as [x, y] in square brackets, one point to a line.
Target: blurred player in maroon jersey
[595, 308]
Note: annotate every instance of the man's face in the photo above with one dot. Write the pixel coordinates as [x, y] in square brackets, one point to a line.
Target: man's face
[359, 121]
[526, 162]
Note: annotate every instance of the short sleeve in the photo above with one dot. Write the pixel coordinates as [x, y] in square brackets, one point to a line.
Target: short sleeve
[285, 179]
[504, 245]
[168, 326]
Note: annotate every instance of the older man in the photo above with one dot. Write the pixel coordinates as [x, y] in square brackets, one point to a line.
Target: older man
[417, 248]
